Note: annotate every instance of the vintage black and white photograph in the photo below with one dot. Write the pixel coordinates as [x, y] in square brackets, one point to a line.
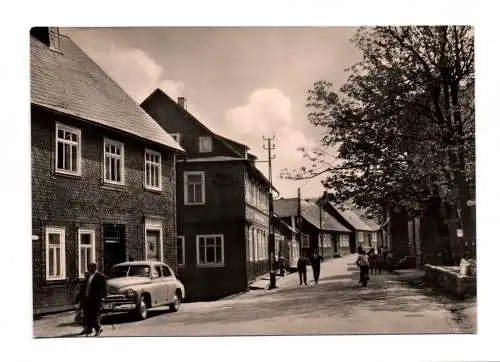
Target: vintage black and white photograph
[253, 181]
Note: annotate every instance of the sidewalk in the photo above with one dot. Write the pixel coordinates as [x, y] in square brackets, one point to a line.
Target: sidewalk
[55, 324]
[263, 281]
[334, 266]
[409, 273]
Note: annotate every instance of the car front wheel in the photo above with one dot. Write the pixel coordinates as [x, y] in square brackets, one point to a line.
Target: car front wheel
[142, 309]
[176, 304]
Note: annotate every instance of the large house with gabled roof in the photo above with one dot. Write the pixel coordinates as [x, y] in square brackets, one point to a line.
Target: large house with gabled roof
[222, 205]
[103, 173]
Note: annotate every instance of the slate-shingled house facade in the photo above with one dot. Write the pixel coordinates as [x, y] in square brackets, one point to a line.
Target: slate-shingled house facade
[222, 205]
[103, 173]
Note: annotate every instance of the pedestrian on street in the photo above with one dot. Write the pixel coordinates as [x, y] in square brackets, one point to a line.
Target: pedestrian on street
[380, 261]
[389, 260]
[92, 290]
[372, 258]
[302, 269]
[364, 265]
[316, 265]
[281, 263]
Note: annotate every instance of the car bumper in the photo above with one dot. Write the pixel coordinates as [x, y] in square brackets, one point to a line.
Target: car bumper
[117, 304]
[117, 307]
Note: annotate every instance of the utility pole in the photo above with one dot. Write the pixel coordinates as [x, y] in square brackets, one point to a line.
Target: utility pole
[269, 148]
[321, 227]
[299, 223]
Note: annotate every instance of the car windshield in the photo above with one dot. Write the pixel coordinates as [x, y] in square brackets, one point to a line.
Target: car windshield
[130, 271]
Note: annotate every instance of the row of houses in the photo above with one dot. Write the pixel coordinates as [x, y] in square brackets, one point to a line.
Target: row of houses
[113, 180]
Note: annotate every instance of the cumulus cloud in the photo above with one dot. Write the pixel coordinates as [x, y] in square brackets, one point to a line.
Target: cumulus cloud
[135, 71]
[267, 110]
[267, 113]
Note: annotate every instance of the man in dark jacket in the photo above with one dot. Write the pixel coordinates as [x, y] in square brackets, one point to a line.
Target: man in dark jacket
[92, 290]
[316, 265]
[302, 268]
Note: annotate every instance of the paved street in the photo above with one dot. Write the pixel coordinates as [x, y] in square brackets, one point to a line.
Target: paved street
[338, 305]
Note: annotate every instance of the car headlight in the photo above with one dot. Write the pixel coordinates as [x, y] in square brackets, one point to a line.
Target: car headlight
[130, 293]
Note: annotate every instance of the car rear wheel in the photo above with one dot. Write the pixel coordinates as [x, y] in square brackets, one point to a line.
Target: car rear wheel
[142, 309]
[176, 304]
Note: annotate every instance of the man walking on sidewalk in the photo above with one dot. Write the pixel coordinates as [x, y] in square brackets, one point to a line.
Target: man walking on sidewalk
[302, 268]
[316, 265]
[90, 297]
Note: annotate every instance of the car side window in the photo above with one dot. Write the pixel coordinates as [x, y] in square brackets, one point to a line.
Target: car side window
[166, 272]
[156, 271]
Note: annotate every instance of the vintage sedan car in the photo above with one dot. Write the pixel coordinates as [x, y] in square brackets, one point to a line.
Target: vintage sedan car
[137, 286]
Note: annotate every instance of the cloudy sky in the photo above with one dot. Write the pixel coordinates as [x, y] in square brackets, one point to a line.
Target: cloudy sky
[243, 83]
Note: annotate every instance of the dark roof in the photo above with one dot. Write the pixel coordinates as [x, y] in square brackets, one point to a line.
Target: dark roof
[280, 223]
[234, 143]
[351, 216]
[227, 142]
[71, 83]
[310, 212]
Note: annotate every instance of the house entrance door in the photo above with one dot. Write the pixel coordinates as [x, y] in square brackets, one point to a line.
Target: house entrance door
[153, 245]
[114, 246]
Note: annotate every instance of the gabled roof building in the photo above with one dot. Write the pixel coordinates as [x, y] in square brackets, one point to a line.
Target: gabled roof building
[103, 173]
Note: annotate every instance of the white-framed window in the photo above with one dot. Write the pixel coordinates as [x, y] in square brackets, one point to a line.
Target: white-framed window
[205, 144]
[254, 244]
[252, 193]
[360, 237]
[194, 188]
[305, 240]
[343, 240]
[55, 254]
[181, 250]
[152, 170]
[261, 246]
[210, 250]
[86, 250]
[154, 239]
[114, 162]
[374, 237]
[247, 188]
[250, 243]
[177, 137]
[68, 150]
[257, 245]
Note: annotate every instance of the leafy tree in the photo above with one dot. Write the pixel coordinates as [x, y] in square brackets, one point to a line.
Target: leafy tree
[402, 126]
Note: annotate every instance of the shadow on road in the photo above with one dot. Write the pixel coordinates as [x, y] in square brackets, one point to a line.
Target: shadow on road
[130, 318]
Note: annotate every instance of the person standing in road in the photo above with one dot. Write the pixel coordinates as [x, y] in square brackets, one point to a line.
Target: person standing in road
[92, 290]
[389, 260]
[281, 263]
[372, 258]
[302, 269]
[316, 265]
[380, 260]
[364, 266]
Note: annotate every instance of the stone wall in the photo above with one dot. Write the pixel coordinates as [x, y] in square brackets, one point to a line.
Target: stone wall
[450, 280]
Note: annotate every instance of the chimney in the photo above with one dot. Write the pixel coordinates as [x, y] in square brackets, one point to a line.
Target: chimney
[181, 101]
[47, 35]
